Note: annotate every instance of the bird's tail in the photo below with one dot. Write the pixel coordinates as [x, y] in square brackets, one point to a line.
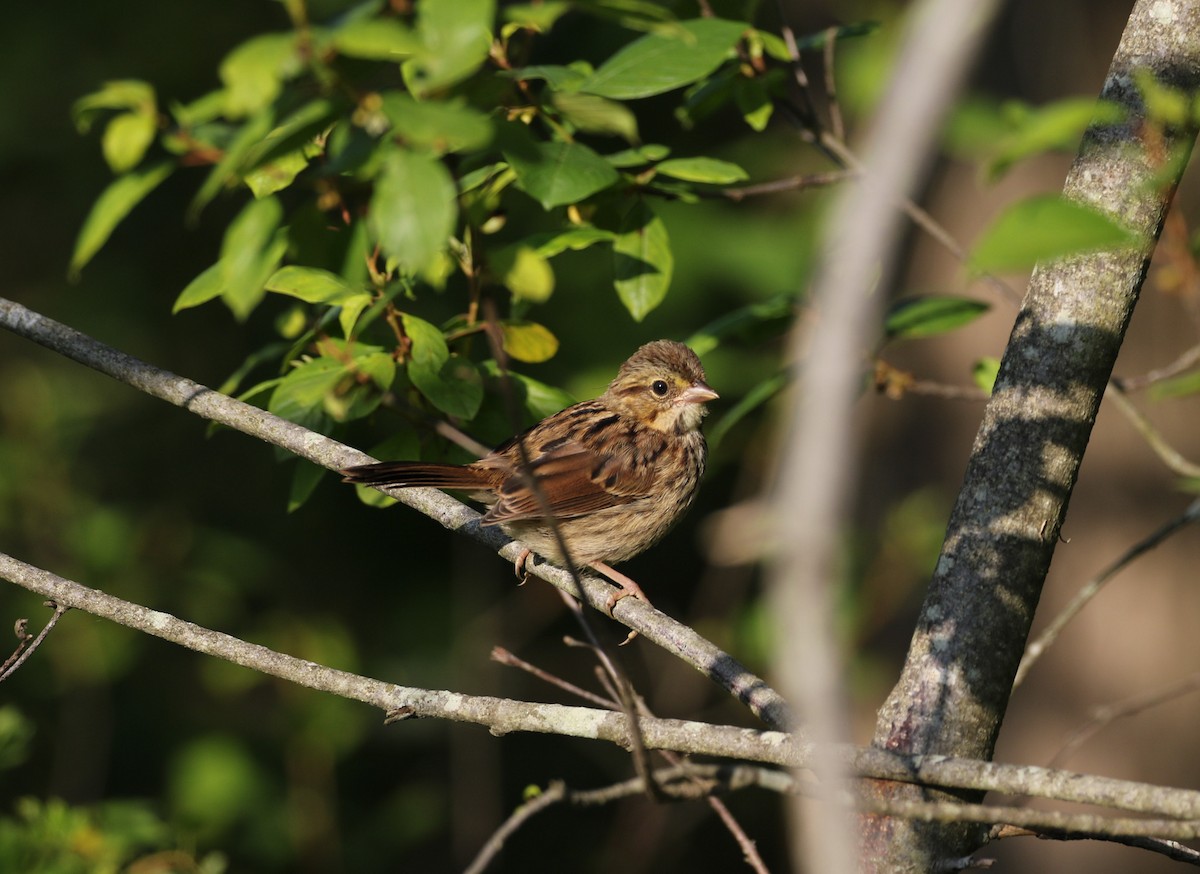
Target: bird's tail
[408, 474]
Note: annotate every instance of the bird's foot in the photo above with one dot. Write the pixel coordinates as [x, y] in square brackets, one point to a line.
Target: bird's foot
[519, 567]
[626, 588]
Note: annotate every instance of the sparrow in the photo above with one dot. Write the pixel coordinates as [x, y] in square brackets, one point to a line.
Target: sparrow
[615, 472]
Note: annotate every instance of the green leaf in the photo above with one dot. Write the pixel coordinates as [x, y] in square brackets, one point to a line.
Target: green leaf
[528, 341]
[984, 373]
[576, 239]
[660, 62]
[1042, 228]
[752, 400]
[642, 261]
[639, 156]
[525, 272]
[250, 252]
[305, 477]
[450, 383]
[311, 285]
[560, 79]
[455, 388]
[344, 386]
[1176, 387]
[277, 175]
[708, 170]
[597, 115]
[750, 324]
[457, 38]
[248, 137]
[439, 125]
[126, 138]
[1009, 132]
[413, 209]
[540, 400]
[913, 317]
[556, 174]
[753, 102]
[123, 94]
[200, 290]
[428, 347]
[376, 39]
[538, 16]
[254, 72]
[113, 204]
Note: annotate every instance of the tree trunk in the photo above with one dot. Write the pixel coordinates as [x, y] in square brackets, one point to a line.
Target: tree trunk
[956, 682]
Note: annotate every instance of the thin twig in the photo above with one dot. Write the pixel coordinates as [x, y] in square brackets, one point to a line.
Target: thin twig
[779, 186]
[504, 657]
[553, 794]
[748, 848]
[836, 125]
[23, 652]
[1037, 648]
[1106, 714]
[1165, 451]
[1184, 362]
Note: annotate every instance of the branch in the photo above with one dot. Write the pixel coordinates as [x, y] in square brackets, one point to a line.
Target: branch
[502, 716]
[957, 680]
[676, 638]
[499, 715]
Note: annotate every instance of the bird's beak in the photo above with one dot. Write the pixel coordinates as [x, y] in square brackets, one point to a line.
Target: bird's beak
[698, 393]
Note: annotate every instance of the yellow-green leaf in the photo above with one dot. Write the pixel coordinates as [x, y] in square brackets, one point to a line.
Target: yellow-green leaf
[528, 341]
[121, 196]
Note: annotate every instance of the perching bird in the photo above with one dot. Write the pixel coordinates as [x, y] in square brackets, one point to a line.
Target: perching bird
[616, 472]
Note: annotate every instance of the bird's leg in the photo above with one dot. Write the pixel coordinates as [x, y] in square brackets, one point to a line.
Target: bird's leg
[519, 566]
[627, 587]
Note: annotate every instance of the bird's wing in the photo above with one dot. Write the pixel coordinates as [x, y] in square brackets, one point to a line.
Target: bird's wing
[574, 481]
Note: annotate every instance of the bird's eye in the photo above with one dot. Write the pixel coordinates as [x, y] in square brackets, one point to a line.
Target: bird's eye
[659, 388]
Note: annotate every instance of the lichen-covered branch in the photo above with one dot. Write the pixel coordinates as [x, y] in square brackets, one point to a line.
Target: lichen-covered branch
[956, 682]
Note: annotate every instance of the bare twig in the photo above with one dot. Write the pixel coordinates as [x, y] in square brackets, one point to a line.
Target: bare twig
[504, 657]
[1165, 452]
[780, 186]
[1106, 714]
[27, 644]
[553, 794]
[1184, 362]
[1037, 648]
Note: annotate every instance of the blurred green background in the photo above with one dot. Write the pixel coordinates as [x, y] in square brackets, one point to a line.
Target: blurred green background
[159, 749]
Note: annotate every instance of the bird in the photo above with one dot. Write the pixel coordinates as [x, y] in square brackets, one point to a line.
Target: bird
[616, 472]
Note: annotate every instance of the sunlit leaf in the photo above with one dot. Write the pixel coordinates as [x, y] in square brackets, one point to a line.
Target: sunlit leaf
[597, 115]
[456, 37]
[250, 254]
[1043, 228]
[661, 62]
[122, 94]
[376, 39]
[254, 72]
[528, 341]
[708, 170]
[277, 175]
[203, 288]
[561, 79]
[126, 138]
[637, 157]
[642, 261]
[984, 373]
[113, 204]
[413, 209]
[525, 272]
[913, 317]
[310, 284]
[754, 103]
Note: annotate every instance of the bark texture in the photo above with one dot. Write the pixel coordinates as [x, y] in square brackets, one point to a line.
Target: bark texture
[956, 682]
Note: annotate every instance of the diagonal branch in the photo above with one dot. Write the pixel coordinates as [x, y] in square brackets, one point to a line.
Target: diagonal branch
[675, 637]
